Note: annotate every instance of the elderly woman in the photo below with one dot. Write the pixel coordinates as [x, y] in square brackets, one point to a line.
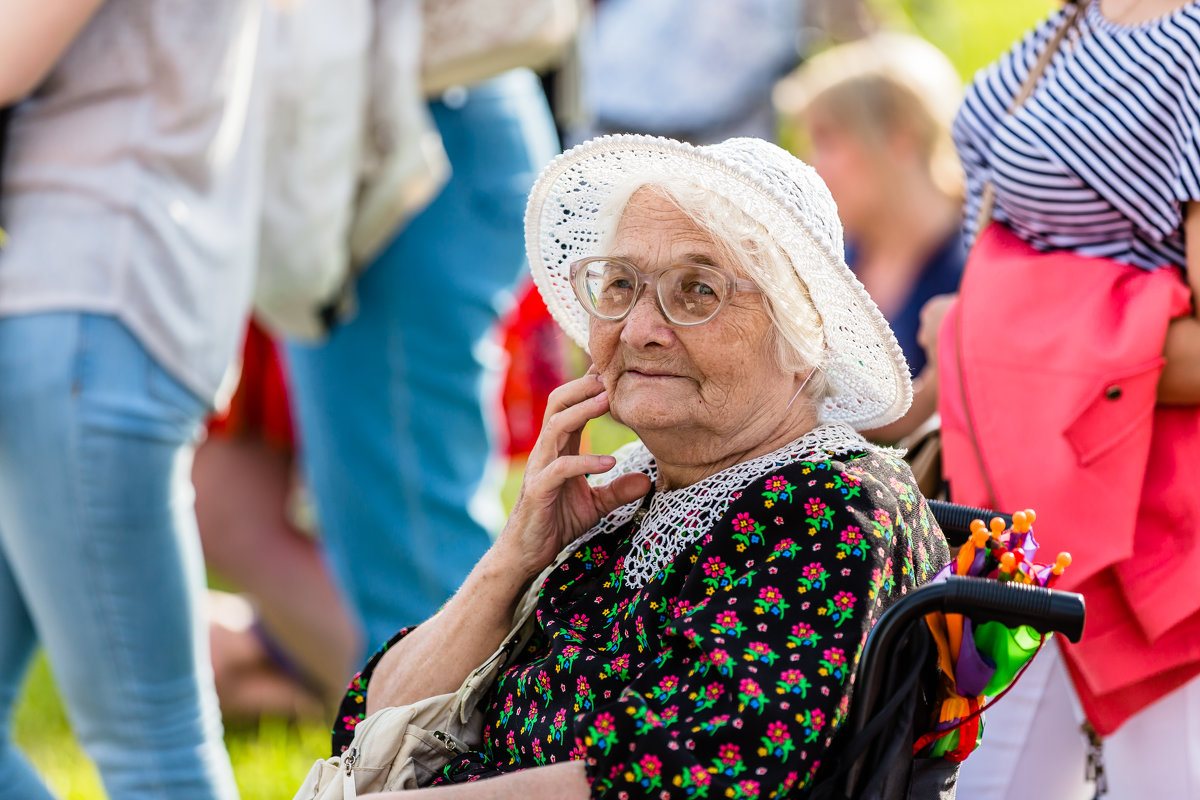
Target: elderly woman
[725, 568]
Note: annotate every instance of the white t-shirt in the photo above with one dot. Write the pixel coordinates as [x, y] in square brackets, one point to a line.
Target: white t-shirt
[132, 185]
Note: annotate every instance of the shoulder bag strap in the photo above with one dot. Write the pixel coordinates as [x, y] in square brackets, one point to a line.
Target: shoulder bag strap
[1071, 13]
[987, 204]
[5, 116]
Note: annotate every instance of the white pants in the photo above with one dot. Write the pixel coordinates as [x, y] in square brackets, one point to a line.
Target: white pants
[1033, 748]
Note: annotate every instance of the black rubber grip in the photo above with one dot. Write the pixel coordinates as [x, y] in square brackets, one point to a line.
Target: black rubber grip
[1014, 603]
[955, 520]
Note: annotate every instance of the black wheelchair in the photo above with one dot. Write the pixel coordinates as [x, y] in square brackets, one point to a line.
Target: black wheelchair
[895, 684]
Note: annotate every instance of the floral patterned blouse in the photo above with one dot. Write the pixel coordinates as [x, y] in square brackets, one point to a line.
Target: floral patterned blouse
[727, 674]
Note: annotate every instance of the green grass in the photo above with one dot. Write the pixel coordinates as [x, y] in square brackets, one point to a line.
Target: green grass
[271, 759]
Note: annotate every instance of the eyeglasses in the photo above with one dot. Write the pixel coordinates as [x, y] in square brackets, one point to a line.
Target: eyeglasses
[688, 294]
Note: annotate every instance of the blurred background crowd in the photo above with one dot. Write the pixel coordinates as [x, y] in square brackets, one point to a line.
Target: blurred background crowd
[270, 357]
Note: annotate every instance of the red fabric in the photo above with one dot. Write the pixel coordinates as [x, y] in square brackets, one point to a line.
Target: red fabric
[1048, 339]
[260, 408]
[537, 365]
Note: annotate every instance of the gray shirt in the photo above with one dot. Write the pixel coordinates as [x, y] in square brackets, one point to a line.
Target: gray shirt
[132, 185]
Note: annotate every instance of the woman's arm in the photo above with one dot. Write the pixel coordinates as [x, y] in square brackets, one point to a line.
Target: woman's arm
[565, 781]
[1180, 381]
[33, 36]
[555, 506]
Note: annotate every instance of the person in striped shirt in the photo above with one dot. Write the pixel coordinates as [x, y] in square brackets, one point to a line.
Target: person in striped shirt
[1101, 160]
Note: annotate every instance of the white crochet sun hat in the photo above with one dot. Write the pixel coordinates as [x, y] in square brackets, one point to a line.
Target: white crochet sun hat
[867, 376]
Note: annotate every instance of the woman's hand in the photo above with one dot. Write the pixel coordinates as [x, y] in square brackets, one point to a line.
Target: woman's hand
[932, 314]
[556, 504]
[1180, 380]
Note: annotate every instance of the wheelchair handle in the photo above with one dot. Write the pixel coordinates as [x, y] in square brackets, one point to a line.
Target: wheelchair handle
[955, 520]
[1044, 610]
[980, 599]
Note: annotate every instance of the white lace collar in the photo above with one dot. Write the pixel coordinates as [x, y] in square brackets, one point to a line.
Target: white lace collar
[679, 517]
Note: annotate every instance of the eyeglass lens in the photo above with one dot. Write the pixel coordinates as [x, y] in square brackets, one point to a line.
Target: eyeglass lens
[688, 293]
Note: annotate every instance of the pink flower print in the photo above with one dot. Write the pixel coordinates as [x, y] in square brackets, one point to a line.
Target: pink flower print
[770, 601]
[350, 723]
[579, 621]
[792, 681]
[834, 663]
[560, 718]
[784, 545]
[707, 696]
[729, 754]
[776, 483]
[669, 684]
[699, 776]
[743, 523]
[852, 535]
[651, 766]
[770, 594]
[803, 634]
[839, 608]
[727, 622]
[834, 655]
[714, 567]
[598, 555]
[747, 788]
[813, 576]
[715, 723]
[583, 695]
[760, 651]
[750, 697]
[604, 724]
[777, 732]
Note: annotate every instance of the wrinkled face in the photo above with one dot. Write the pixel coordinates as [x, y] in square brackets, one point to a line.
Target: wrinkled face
[717, 379]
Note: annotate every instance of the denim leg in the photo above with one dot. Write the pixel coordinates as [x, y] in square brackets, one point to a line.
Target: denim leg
[17, 642]
[393, 409]
[97, 527]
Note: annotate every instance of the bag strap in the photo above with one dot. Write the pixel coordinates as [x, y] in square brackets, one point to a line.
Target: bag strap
[987, 204]
[5, 116]
[480, 681]
[987, 200]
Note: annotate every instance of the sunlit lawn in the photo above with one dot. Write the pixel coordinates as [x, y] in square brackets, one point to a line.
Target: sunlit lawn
[271, 759]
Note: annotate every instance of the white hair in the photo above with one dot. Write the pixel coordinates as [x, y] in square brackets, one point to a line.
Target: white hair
[799, 341]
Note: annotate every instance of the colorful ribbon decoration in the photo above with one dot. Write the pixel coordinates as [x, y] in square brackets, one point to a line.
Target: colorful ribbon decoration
[982, 662]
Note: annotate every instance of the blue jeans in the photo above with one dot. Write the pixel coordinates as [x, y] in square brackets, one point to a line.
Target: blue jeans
[99, 557]
[393, 409]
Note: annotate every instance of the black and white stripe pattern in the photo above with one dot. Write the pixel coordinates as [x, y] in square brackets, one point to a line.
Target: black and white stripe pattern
[1103, 156]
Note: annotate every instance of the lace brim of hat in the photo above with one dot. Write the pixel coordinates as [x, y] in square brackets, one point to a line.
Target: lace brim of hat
[867, 374]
